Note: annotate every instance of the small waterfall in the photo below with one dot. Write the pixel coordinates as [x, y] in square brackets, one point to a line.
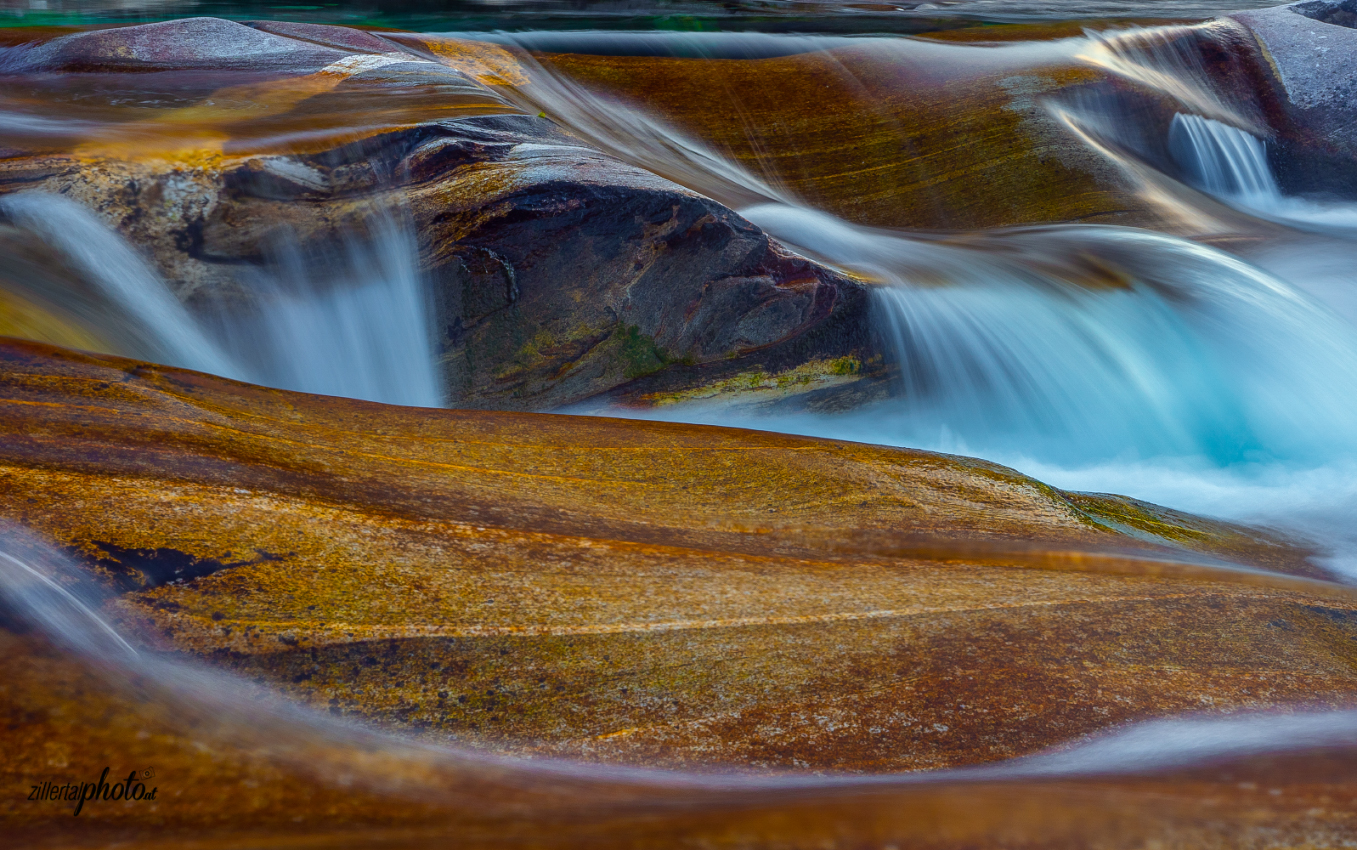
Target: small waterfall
[357, 325]
[1222, 160]
[150, 322]
[1083, 344]
[1232, 165]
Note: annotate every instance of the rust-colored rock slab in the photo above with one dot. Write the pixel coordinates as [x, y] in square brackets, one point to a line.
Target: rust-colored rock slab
[231, 778]
[899, 132]
[648, 593]
[979, 127]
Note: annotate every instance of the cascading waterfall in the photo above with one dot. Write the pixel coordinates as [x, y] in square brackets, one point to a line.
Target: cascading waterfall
[1083, 354]
[1232, 164]
[357, 326]
[1223, 160]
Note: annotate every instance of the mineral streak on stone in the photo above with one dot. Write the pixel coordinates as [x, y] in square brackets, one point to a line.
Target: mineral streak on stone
[644, 592]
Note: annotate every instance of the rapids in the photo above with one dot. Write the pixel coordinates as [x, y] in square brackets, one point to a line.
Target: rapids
[1202, 356]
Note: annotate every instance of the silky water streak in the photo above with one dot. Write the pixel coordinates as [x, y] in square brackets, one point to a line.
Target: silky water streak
[354, 322]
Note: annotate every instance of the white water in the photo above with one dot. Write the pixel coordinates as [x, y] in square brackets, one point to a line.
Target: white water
[1013, 345]
[356, 325]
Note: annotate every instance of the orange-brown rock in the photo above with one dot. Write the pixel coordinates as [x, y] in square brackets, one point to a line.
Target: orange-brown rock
[896, 132]
[232, 778]
[648, 593]
[228, 778]
[974, 128]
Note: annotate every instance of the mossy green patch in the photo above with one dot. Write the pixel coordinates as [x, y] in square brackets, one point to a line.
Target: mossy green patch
[639, 353]
[814, 375]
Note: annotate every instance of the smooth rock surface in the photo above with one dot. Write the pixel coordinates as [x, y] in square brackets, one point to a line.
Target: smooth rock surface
[187, 44]
[234, 771]
[894, 133]
[644, 593]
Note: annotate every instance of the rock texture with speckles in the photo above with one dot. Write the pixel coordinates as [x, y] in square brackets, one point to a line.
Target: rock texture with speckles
[647, 593]
[1309, 50]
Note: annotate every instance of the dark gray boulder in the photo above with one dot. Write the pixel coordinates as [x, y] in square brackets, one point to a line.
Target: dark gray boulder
[1309, 51]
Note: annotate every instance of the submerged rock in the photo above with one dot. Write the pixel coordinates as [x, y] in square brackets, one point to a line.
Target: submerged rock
[647, 593]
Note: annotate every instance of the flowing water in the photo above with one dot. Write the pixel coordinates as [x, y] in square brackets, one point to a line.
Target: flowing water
[1092, 357]
[1219, 383]
[1194, 377]
[1189, 376]
[356, 326]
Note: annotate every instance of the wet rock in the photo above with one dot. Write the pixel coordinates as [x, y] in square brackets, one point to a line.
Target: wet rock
[648, 593]
[559, 272]
[187, 44]
[898, 133]
[231, 769]
[1309, 50]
